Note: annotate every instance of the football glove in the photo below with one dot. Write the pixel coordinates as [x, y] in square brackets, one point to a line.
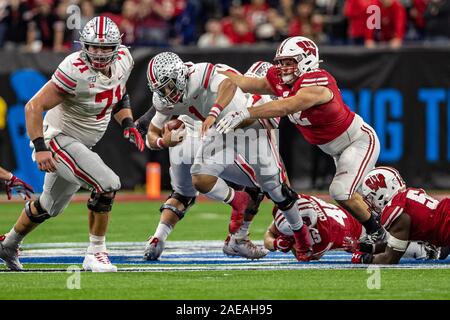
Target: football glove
[283, 243]
[131, 133]
[361, 258]
[231, 120]
[19, 186]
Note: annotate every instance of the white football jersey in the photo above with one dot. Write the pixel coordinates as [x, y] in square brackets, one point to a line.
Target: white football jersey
[201, 93]
[86, 113]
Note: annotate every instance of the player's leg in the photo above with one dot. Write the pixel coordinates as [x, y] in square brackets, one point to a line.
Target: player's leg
[173, 210]
[56, 195]
[269, 171]
[211, 160]
[352, 165]
[93, 174]
[239, 243]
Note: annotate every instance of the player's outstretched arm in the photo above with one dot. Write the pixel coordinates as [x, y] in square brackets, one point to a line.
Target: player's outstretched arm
[397, 241]
[45, 99]
[13, 183]
[249, 84]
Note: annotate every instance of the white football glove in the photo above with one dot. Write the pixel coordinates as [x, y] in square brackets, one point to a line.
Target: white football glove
[231, 120]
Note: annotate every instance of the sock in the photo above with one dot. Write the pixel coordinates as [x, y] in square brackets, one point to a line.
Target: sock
[243, 230]
[221, 191]
[97, 244]
[371, 225]
[13, 239]
[293, 217]
[162, 231]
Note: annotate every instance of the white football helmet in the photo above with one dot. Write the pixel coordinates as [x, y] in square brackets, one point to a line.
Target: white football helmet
[305, 53]
[380, 186]
[167, 76]
[259, 69]
[100, 32]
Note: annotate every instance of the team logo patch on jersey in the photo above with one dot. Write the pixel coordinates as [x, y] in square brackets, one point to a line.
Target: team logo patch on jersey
[285, 94]
[92, 79]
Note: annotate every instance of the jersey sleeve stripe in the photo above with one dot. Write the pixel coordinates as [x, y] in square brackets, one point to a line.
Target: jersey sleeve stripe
[394, 215]
[256, 67]
[63, 78]
[322, 83]
[207, 76]
[63, 89]
[315, 79]
[62, 86]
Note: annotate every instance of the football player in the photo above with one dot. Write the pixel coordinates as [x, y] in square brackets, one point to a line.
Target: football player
[408, 214]
[181, 157]
[14, 184]
[331, 227]
[85, 91]
[199, 91]
[310, 97]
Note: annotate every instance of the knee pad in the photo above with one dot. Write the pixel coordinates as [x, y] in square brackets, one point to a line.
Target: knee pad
[257, 196]
[338, 191]
[100, 202]
[291, 198]
[187, 202]
[41, 215]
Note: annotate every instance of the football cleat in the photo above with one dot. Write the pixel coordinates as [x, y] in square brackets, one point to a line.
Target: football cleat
[371, 239]
[98, 262]
[432, 252]
[153, 249]
[239, 204]
[243, 248]
[10, 256]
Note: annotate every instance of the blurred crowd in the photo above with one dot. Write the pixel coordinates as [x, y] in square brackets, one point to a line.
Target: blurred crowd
[35, 25]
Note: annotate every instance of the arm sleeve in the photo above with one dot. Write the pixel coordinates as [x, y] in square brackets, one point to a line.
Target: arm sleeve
[64, 77]
[160, 119]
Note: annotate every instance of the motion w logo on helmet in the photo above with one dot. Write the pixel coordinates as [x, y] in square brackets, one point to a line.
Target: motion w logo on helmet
[307, 46]
[376, 182]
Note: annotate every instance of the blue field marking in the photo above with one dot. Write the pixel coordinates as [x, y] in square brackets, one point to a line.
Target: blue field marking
[216, 258]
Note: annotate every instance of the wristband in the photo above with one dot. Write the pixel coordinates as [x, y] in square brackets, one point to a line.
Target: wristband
[215, 110]
[39, 144]
[128, 123]
[160, 143]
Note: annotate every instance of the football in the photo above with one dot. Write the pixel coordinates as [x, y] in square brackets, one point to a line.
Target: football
[174, 124]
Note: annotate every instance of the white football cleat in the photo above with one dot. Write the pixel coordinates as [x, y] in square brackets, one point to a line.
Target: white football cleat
[153, 249]
[243, 248]
[98, 262]
[10, 256]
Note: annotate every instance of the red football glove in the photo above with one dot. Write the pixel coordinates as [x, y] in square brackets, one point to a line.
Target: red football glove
[20, 186]
[283, 243]
[303, 244]
[132, 134]
[361, 258]
[350, 244]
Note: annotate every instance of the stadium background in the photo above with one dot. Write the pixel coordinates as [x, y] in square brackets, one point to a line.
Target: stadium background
[402, 90]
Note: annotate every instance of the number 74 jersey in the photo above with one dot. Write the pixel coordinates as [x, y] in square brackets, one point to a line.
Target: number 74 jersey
[91, 96]
[430, 218]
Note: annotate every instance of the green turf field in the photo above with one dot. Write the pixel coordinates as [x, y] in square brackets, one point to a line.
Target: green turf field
[134, 222]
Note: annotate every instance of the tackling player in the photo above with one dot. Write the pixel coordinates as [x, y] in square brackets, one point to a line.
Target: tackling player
[86, 90]
[12, 183]
[408, 214]
[331, 227]
[311, 99]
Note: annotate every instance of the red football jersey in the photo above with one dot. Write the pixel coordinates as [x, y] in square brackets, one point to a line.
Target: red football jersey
[430, 218]
[330, 225]
[322, 123]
